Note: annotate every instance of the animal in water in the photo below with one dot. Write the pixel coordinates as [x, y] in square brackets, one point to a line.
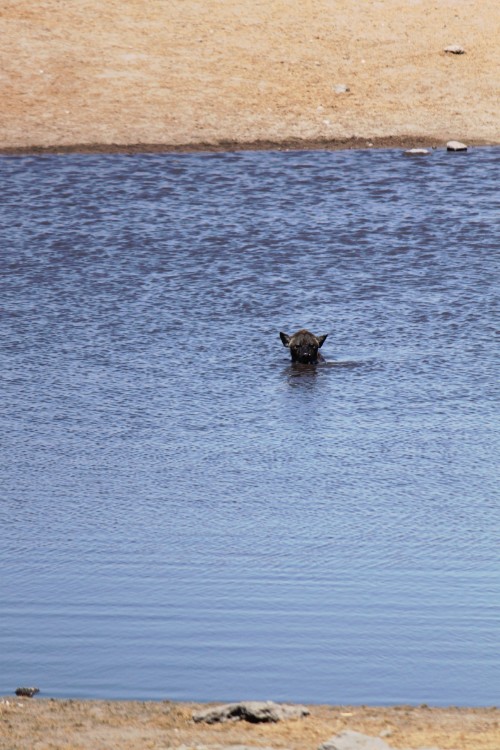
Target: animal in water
[304, 346]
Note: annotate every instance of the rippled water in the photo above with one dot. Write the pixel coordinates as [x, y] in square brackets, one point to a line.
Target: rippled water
[185, 515]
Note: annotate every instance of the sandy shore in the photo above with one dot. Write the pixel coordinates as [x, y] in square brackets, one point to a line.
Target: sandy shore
[124, 725]
[233, 74]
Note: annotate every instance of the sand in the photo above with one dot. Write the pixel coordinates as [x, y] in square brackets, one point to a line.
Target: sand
[191, 74]
[41, 724]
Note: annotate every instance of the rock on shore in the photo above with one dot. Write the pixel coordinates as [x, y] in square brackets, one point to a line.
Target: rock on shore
[252, 711]
[350, 740]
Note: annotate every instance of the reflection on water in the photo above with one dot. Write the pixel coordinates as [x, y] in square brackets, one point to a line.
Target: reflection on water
[184, 513]
[307, 372]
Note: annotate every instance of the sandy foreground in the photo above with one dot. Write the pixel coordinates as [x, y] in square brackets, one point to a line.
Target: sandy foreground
[43, 724]
[247, 73]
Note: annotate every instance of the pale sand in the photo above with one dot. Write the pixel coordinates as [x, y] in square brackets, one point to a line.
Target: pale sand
[237, 73]
[113, 725]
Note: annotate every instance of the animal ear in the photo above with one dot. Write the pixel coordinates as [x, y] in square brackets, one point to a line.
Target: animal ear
[285, 338]
[322, 339]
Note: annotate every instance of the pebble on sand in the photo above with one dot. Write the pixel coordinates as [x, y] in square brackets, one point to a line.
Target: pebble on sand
[349, 740]
[341, 88]
[456, 146]
[454, 49]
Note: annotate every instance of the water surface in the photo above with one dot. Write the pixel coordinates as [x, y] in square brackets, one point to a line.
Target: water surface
[184, 514]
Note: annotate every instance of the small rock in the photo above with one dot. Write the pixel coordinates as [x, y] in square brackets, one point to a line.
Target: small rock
[349, 740]
[252, 711]
[454, 49]
[417, 152]
[27, 692]
[341, 88]
[456, 146]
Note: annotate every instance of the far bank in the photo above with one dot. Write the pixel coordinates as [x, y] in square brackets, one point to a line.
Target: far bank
[224, 76]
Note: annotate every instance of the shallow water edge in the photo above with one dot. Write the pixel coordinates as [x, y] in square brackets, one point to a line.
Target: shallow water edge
[291, 144]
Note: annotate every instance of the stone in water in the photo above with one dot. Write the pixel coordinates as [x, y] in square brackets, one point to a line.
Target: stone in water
[416, 151]
[456, 146]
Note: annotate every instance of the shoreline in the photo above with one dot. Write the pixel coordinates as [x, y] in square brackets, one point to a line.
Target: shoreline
[227, 146]
[74, 724]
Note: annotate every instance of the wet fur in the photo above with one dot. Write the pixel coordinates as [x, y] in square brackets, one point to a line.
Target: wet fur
[304, 346]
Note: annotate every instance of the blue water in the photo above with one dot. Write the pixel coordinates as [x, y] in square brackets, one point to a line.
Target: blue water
[183, 514]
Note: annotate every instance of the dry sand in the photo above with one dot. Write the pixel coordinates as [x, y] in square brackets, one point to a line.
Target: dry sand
[114, 725]
[239, 73]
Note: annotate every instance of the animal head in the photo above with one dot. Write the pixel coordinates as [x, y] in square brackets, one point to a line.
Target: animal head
[304, 346]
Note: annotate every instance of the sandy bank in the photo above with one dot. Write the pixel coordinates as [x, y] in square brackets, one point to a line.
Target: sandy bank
[195, 74]
[124, 725]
